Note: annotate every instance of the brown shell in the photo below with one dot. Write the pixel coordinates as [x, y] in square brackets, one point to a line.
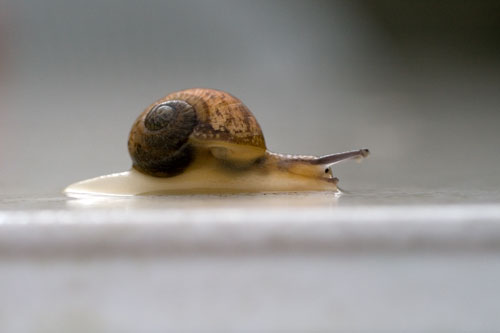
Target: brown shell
[199, 117]
[222, 117]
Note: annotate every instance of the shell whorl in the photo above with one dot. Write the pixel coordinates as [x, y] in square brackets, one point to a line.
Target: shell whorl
[163, 138]
[158, 141]
[222, 117]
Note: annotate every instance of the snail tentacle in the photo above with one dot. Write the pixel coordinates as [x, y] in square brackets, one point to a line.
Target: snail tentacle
[331, 159]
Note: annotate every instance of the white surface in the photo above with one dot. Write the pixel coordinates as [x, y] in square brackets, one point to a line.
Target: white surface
[235, 293]
[310, 263]
[197, 230]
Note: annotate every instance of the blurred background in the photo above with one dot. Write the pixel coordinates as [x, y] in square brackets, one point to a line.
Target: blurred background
[417, 82]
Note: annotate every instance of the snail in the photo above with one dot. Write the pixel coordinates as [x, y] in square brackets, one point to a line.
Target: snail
[208, 141]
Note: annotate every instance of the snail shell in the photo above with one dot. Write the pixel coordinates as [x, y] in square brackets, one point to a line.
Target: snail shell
[164, 138]
[208, 141]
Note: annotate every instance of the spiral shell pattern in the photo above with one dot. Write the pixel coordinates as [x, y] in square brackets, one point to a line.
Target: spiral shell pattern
[163, 138]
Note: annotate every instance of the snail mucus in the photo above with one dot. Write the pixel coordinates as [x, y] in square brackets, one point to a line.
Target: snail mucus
[208, 141]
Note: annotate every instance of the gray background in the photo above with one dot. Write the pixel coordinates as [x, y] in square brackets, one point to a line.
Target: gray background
[416, 82]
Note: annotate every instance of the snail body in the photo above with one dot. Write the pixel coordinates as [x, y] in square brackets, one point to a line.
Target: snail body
[208, 141]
